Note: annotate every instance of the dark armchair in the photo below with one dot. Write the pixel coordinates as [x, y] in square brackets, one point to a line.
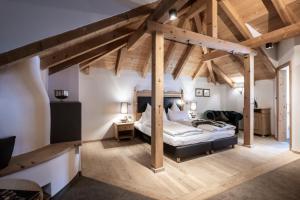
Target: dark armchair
[230, 117]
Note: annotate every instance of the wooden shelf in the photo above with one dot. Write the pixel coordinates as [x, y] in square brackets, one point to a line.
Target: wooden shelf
[31, 159]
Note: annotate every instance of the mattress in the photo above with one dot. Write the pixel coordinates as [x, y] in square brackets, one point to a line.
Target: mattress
[205, 136]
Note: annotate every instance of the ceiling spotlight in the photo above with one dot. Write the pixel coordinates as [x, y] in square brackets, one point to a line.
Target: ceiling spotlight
[173, 14]
[269, 45]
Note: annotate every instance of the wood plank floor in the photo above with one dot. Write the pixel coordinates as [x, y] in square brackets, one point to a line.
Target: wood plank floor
[126, 164]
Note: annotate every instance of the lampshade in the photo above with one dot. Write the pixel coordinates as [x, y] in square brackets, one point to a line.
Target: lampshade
[124, 107]
[193, 106]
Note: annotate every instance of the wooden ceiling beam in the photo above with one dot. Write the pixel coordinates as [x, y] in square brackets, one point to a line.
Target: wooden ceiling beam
[172, 46]
[68, 53]
[163, 7]
[111, 49]
[196, 8]
[212, 18]
[189, 37]
[120, 60]
[145, 67]
[192, 12]
[234, 16]
[43, 46]
[197, 71]
[274, 36]
[212, 30]
[90, 55]
[241, 26]
[182, 61]
[283, 13]
[218, 71]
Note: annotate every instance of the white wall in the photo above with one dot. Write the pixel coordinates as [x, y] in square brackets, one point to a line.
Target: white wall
[264, 92]
[67, 79]
[23, 22]
[49, 172]
[289, 51]
[101, 91]
[24, 106]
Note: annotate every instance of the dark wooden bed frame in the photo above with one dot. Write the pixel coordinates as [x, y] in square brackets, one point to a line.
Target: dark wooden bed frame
[141, 100]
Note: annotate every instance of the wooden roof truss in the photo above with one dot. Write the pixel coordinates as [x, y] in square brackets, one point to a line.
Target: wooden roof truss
[195, 42]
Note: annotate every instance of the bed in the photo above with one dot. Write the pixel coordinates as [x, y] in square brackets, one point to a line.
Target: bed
[180, 147]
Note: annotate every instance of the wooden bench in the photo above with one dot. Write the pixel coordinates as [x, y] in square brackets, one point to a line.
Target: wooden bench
[31, 159]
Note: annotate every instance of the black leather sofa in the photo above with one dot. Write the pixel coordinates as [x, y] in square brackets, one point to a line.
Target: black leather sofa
[230, 117]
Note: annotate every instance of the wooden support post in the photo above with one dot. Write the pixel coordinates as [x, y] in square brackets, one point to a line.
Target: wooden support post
[157, 101]
[249, 100]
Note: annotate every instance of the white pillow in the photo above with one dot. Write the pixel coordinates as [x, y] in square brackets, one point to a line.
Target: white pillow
[175, 107]
[178, 115]
[146, 116]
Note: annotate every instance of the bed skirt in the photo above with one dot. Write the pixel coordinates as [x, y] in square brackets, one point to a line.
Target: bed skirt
[185, 151]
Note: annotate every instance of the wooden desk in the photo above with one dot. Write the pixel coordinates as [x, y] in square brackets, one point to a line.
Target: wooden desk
[124, 130]
[262, 121]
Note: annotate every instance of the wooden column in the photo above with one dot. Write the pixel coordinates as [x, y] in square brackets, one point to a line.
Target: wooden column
[249, 100]
[157, 101]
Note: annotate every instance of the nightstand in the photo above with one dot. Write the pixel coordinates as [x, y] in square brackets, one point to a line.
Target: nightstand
[124, 130]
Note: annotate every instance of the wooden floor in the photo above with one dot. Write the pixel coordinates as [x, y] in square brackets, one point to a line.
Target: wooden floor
[126, 165]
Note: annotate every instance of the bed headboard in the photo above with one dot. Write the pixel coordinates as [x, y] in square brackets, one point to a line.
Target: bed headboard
[142, 98]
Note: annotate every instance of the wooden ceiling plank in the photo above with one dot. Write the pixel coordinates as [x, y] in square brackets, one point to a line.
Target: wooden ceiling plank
[218, 71]
[240, 62]
[182, 61]
[269, 65]
[161, 9]
[172, 46]
[181, 24]
[147, 63]
[283, 13]
[83, 47]
[274, 36]
[197, 71]
[212, 18]
[189, 37]
[120, 60]
[235, 17]
[111, 49]
[90, 55]
[196, 8]
[200, 29]
[212, 30]
[211, 72]
[241, 26]
[44, 45]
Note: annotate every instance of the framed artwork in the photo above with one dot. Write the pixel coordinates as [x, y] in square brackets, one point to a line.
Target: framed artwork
[198, 92]
[206, 92]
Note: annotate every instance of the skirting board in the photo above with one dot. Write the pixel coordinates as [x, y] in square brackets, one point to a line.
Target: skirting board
[157, 170]
[98, 140]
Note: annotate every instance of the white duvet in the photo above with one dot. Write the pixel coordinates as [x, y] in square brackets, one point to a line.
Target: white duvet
[176, 129]
[209, 127]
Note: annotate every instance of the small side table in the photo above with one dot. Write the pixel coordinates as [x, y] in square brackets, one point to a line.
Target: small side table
[124, 130]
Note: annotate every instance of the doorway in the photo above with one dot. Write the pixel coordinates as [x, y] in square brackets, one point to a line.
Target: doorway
[283, 73]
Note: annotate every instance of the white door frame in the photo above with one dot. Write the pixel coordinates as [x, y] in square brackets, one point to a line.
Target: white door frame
[288, 64]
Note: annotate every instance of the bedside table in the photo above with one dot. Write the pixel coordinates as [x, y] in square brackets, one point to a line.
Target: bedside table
[124, 130]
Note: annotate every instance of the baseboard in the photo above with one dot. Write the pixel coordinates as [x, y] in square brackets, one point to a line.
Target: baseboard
[98, 140]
